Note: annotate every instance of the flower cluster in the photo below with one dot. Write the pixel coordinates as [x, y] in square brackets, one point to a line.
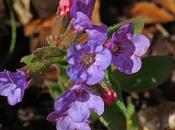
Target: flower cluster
[87, 63]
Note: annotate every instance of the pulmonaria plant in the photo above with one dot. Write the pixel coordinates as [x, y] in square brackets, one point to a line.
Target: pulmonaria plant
[87, 63]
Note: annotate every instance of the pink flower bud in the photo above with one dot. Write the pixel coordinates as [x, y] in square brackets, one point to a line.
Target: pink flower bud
[64, 6]
[109, 96]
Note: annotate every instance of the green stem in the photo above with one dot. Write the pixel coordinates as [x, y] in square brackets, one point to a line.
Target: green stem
[13, 24]
[114, 82]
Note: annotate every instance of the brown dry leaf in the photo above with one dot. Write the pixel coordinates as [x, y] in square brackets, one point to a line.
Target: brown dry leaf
[41, 27]
[22, 8]
[33, 27]
[161, 117]
[37, 25]
[96, 13]
[169, 4]
[154, 13]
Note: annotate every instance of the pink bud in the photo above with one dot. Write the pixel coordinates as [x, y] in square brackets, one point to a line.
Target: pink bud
[109, 96]
[65, 6]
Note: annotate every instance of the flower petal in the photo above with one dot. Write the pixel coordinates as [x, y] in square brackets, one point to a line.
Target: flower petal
[76, 73]
[79, 112]
[13, 85]
[98, 33]
[121, 34]
[67, 124]
[103, 59]
[81, 22]
[63, 102]
[141, 44]
[84, 6]
[14, 96]
[137, 64]
[96, 104]
[95, 75]
[5, 89]
[123, 63]
[53, 116]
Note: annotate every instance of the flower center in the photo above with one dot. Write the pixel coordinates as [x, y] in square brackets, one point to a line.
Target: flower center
[116, 47]
[81, 95]
[87, 60]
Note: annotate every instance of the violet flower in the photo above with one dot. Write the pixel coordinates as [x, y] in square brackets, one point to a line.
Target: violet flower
[81, 12]
[127, 49]
[66, 123]
[84, 6]
[83, 23]
[76, 105]
[13, 85]
[88, 62]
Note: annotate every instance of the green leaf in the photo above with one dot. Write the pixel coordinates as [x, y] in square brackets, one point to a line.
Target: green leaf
[114, 117]
[48, 52]
[155, 70]
[138, 25]
[36, 69]
[113, 28]
[27, 59]
[58, 60]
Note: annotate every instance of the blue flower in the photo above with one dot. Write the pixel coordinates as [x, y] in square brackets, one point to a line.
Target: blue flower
[75, 106]
[127, 49]
[13, 85]
[88, 62]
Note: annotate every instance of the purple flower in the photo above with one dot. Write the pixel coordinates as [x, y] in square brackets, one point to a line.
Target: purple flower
[84, 6]
[88, 62]
[83, 23]
[127, 49]
[13, 85]
[76, 104]
[66, 123]
[81, 11]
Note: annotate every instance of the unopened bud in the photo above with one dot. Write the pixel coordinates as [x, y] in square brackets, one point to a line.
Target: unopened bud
[59, 27]
[109, 96]
[108, 93]
[64, 6]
